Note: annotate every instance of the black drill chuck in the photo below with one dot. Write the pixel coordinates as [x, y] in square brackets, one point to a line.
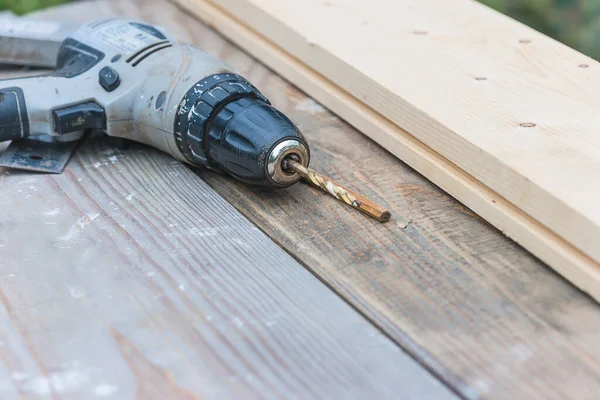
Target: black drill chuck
[225, 123]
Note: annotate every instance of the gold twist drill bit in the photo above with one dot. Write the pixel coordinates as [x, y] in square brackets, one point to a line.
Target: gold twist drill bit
[338, 191]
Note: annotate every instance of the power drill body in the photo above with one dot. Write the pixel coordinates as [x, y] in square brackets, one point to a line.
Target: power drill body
[138, 82]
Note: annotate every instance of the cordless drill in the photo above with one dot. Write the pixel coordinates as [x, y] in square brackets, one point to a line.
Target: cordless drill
[136, 81]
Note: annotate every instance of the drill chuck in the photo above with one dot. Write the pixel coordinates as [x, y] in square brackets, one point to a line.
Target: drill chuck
[225, 123]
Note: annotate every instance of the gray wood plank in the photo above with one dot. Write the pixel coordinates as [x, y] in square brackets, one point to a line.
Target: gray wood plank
[129, 277]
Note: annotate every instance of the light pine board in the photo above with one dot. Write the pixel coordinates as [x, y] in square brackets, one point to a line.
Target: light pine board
[479, 310]
[128, 277]
[535, 236]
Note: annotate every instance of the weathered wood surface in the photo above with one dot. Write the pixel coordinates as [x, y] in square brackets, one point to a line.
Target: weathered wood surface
[128, 277]
[469, 303]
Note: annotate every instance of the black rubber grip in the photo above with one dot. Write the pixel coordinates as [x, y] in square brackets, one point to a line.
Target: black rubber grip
[225, 123]
[14, 122]
[200, 104]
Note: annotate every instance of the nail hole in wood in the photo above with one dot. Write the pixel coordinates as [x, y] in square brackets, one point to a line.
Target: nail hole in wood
[419, 32]
[527, 124]
[480, 78]
[525, 41]
[584, 65]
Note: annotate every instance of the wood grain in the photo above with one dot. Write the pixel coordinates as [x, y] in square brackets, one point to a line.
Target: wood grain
[579, 268]
[466, 301]
[527, 131]
[128, 277]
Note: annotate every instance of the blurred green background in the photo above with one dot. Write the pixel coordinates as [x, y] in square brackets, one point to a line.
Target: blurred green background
[574, 22]
[25, 6]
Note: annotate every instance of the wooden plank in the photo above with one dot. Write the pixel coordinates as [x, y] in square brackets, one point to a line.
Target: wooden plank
[563, 257]
[560, 254]
[128, 277]
[450, 289]
[544, 171]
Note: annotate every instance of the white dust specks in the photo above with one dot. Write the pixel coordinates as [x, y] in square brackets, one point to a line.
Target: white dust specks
[113, 159]
[78, 226]
[82, 222]
[522, 351]
[97, 164]
[28, 181]
[39, 386]
[92, 216]
[87, 254]
[130, 196]
[270, 324]
[238, 322]
[482, 386]
[104, 389]
[57, 382]
[71, 234]
[182, 287]
[77, 292]
[309, 105]
[19, 376]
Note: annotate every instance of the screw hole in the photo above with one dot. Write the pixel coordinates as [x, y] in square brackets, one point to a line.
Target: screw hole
[527, 124]
[36, 157]
[480, 78]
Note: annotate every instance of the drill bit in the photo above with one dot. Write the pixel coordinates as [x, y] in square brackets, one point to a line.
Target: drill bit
[338, 191]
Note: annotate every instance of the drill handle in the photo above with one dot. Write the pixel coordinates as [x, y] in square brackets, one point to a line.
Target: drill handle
[14, 120]
[48, 105]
